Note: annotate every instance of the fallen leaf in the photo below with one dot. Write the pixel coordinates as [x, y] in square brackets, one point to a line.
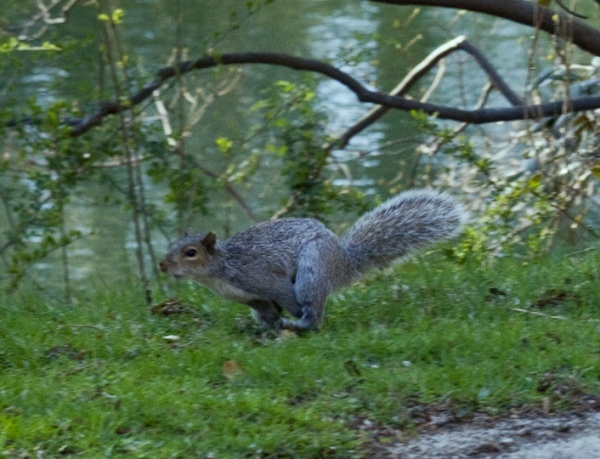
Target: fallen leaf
[231, 369]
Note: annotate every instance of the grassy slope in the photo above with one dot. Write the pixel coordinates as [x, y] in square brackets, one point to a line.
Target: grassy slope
[100, 379]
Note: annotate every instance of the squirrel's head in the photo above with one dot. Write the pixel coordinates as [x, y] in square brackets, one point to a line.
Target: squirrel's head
[190, 256]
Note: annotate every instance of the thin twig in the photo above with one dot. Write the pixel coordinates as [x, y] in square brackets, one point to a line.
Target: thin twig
[437, 79]
[131, 175]
[44, 17]
[234, 194]
[539, 314]
[164, 119]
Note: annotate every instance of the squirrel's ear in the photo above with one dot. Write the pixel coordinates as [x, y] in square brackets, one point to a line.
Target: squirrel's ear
[209, 242]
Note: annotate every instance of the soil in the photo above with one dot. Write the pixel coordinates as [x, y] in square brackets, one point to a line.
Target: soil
[572, 435]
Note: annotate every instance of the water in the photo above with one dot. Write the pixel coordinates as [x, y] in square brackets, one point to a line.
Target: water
[379, 37]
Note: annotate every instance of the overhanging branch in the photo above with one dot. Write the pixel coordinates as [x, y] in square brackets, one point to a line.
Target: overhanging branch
[458, 43]
[478, 116]
[529, 13]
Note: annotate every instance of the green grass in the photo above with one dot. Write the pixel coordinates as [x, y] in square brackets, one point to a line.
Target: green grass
[99, 379]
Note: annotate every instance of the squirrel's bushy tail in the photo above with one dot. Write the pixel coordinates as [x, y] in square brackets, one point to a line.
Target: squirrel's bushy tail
[400, 226]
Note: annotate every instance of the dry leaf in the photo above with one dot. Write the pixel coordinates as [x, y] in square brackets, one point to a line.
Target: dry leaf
[231, 369]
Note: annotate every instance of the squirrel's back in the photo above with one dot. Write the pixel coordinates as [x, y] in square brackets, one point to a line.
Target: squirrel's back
[273, 245]
[287, 233]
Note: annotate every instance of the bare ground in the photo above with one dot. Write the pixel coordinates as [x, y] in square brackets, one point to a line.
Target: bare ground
[531, 435]
[565, 436]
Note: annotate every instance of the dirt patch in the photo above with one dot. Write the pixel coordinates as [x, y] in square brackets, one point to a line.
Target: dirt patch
[561, 436]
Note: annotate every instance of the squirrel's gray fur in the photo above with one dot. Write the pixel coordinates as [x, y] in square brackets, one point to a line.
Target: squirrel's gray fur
[295, 263]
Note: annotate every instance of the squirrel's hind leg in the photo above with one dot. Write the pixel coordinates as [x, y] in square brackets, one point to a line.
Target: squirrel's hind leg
[312, 286]
[266, 312]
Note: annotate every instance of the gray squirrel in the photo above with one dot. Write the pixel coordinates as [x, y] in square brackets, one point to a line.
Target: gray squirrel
[293, 264]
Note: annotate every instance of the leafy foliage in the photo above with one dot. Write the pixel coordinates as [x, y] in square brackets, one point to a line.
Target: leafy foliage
[529, 191]
[298, 137]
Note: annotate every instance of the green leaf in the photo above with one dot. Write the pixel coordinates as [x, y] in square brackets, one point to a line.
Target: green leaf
[117, 16]
[535, 181]
[224, 145]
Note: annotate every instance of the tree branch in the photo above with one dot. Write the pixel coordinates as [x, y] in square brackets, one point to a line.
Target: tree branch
[43, 20]
[522, 12]
[480, 116]
[458, 43]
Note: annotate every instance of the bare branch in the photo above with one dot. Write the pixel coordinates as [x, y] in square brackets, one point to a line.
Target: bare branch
[437, 80]
[439, 142]
[480, 116]
[43, 19]
[233, 192]
[196, 115]
[458, 43]
[574, 13]
[522, 12]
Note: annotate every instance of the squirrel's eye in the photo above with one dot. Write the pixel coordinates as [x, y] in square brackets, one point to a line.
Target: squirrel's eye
[191, 252]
